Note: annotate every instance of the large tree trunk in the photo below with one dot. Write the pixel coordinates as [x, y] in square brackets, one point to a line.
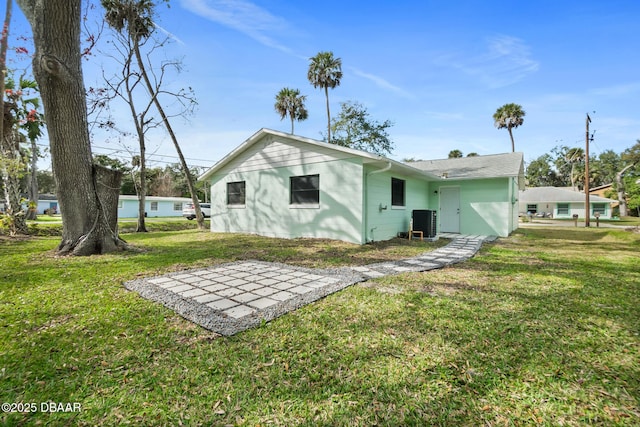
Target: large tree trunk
[87, 194]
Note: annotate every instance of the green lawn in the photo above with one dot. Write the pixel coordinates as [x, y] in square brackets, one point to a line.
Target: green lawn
[47, 225]
[541, 328]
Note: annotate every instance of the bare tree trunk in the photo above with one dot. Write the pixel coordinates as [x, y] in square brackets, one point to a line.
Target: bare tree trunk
[10, 163]
[622, 195]
[167, 124]
[326, 94]
[87, 194]
[4, 45]
[142, 192]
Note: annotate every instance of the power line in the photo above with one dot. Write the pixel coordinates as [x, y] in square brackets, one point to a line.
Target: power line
[126, 154]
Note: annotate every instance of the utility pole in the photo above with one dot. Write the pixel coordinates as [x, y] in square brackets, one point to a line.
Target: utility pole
[587, 207]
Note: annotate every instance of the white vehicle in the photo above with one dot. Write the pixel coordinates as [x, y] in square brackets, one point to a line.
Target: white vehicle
[189, 210]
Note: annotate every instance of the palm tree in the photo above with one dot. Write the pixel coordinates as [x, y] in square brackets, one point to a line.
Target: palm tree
[509, 116]
[325, 72]
[573, 156]
[290, 102]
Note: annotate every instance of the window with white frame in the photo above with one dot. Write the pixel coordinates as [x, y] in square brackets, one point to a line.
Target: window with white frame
[154, 206]
[563, 208]
[177, 206]
[598, 208]
[532, 209]
[236, 193]
[304, 190]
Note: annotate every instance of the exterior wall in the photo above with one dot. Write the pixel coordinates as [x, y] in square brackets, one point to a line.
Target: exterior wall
[128, 206]
[386, 223]
[266, 169]
[486, 205]
[513, 197]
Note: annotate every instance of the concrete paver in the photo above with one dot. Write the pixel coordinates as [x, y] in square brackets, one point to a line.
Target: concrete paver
[233, 297]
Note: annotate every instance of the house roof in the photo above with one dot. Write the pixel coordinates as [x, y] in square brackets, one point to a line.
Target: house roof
[368, 158]
[601, 187]
[491, 166]
[554, 194]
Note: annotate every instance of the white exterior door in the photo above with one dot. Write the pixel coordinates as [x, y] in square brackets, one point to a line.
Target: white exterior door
[450, 209]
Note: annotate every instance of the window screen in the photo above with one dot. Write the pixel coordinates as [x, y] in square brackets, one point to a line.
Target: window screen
[304, 190]
[236, 193]
[397, 192]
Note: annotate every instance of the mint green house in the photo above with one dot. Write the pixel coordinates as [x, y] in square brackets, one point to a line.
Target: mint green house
[281, 185]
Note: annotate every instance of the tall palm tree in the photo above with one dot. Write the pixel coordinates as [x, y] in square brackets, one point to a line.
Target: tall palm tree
[509, 116]
[325, 72]
[290, 102]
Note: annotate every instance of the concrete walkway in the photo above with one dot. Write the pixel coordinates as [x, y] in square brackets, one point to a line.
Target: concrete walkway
[230, 298]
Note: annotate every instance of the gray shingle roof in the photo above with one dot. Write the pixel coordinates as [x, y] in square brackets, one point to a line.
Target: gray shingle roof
[554, 194]
[492, 166]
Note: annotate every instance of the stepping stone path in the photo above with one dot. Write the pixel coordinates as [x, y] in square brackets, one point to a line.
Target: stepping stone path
[230, 298]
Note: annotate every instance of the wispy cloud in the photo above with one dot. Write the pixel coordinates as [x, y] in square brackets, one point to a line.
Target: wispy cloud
[381, 83]
[242, 16]
[623, 89]
[505, 60]
[259, 24]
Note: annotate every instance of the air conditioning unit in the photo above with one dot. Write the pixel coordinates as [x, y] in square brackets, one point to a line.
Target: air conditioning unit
[425, 221]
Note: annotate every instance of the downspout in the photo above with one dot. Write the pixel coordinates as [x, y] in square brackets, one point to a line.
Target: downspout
[365, 212]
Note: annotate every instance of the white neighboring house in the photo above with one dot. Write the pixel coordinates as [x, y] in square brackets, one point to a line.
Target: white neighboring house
[562, 203]
[155, 206]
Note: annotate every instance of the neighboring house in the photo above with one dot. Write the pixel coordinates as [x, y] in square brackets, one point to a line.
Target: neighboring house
[602, 191]
[281, 185]
[154, 206]
[562, 203]
[47, 203]
[128, 205]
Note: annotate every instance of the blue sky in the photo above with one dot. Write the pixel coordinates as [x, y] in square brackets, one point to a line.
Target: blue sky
[438, 70]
